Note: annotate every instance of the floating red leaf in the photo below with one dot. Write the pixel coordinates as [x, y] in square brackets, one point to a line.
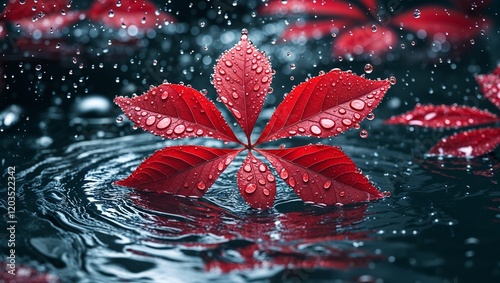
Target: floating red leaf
[256, 183]
[322, 174]
[176, 111]
[364, 40]
[468, 144]
[454, 25]
[44, 16]
[315, 29]
[140, 13]
[325, 106]
[242, 77]
[490, 86]
[327, 8]
[444, 116]
[180, 170]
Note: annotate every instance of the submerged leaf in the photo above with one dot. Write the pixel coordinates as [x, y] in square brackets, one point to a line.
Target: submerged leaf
[325, 106]
[256, 183]
[444, 116]
[180, 170]
[468, 144]
[322, 174]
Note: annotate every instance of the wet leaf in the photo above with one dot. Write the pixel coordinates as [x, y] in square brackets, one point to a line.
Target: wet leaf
[242, 77]
[444, 116]
[325, 106]
[142, 14]
[322, 174]
[365, 40]
[44, 16]
[176, 111]
[257, 183]
[180, 170]
[490, 86]
[468, 144]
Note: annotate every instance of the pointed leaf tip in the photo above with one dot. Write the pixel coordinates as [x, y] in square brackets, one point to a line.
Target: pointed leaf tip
[257, 183]
[242, 77]
[325, 106]
[180, 170]
[322, 174]
[176, 111]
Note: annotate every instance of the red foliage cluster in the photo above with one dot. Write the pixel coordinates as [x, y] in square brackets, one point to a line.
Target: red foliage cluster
[360, 29]
[323, 106]
[470, 143]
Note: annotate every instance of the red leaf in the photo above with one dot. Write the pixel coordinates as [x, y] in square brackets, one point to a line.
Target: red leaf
[444, 116]
[181, 170]
[256, 183]
[490, 86]
[45, 16]
[471, 143]
[242, 78]
[324, 8]
[322, 174]
[176, 111]
[434, 20]
[362, 40]
[140, 13]
[315, 29]
[325, 106]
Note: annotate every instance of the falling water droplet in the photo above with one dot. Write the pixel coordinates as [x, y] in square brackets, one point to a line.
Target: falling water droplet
[392, 80]
[370, 116]
[363, 134]
[292, 66]
[416, 13]
[374, 28]
[119, 119]
[368, 68]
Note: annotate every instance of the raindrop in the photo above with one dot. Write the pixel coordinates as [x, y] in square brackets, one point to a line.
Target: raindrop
[305, 177]
[327, 184]
[342, 193]
[326, 123]
[363, 134]
[315, 130]
[392, 80]
[270, 177]
[119, 119]
[201, 185]
[291, 182]
[283, 174]
[236, 113]
[262, 168]
[179, 129]
[228, 63]
[292, 66]
[370, 116]
[111, 13]
[374, 28]
[346, 122]
[368, 68]
[247, 168]
[244, 34]
[165, 122]
[150, 120]
[416, 13]
[250, 188]
[265, 192]
[164, 95]
[357, 104]
[38, 67]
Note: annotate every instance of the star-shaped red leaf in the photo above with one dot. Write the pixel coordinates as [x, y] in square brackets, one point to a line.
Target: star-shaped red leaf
[323, 106]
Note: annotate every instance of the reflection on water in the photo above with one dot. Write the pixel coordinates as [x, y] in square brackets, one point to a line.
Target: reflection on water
[81, 227]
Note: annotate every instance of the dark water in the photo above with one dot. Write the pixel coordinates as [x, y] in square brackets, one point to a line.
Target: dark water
[441, 223]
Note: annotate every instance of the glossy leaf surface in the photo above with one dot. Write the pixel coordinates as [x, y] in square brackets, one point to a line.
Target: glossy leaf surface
[325, 106]
[140, 13]
[468, 144]
[490, 86]
[176, 111]
[180, 170]
[444, 116]
[322, 174]
[256, 183]
[242, 78]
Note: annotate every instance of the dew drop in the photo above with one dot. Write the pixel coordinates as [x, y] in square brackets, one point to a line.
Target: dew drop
[264, 79]
[247, 168]
[235, 95]
[262, 182]
[305, 177]
[228, 63]
[111, 13]
[163, 123]
[164, 95]
[199, 132]
[342, 111]
[201, 185]
[270, 177]
[259, 70]
[256, 87]
[236, 113]
[250, 188]
[315, 130]
[283, 174]
[291, 182]
[266, 192]
[357, 104]
[342, 193]
[262, 168]
[327, 184]
[326, 123]
[346, 122]
[368, 68]
[150, 120]
[179, 129]
[416, 13]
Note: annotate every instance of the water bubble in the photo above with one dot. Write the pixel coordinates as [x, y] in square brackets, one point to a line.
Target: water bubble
[363, 134]
[416, 13]
[368, 68]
